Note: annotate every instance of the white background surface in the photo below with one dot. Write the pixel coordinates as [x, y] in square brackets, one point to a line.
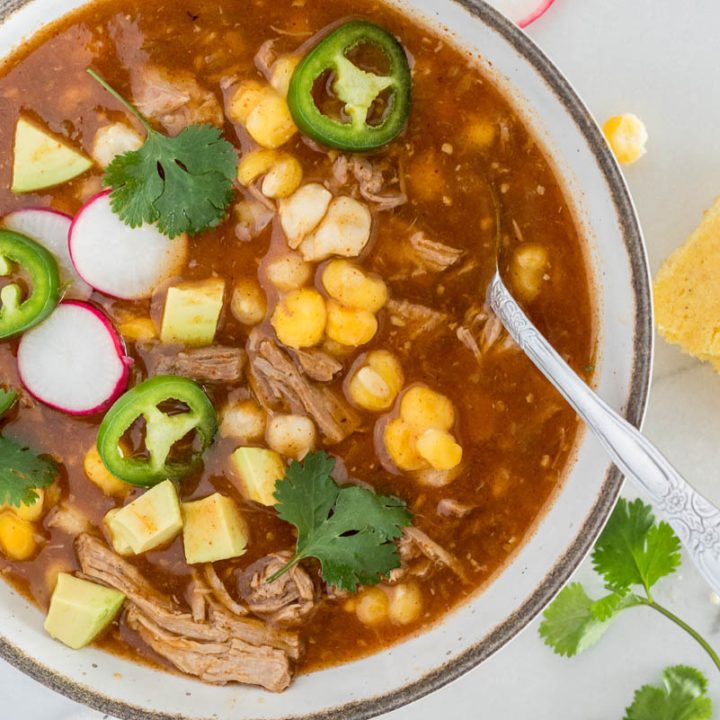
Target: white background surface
[659, 59]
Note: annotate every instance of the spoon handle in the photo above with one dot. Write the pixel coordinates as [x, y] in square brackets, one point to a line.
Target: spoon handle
[694, 518]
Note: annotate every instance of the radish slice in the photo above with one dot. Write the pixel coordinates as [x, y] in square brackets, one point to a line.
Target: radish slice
[51, 229]
[74, 361]
[124, 262]
[522, 12]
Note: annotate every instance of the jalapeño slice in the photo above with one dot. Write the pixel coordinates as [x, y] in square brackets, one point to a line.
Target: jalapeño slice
[20, 308]
[162, 430]
[359, 91]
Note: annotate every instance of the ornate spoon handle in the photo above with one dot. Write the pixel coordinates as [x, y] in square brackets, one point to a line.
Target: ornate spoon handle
[694, 518]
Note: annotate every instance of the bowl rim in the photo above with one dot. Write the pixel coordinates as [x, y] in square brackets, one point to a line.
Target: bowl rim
[564, 566]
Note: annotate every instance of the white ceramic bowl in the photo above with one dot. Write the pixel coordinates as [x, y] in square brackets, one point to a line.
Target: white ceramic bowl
[467, 636]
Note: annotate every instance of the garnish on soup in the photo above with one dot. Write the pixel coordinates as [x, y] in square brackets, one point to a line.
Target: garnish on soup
[349, 529]
[22, 473]
[191, 412]
[182, 183]
[373, 104]
[22, 309]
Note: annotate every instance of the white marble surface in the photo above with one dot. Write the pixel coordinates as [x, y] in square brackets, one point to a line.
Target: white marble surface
[659, 59]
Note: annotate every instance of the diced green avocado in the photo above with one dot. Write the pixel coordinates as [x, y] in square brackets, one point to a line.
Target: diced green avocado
[258, 470]
[120, 545]
[151, 520]
[41, 160]
[214, 529]
[192, 310]
[80, 610]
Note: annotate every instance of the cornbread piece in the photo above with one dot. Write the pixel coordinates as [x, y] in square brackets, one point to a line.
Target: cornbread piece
[687, 292]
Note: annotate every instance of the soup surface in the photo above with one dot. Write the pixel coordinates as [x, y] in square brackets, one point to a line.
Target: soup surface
[431, 195]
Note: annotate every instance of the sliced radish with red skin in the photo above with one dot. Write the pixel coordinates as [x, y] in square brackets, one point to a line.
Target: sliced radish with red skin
[75, 361]
[120, 261]
[522, 12]
[51, 228]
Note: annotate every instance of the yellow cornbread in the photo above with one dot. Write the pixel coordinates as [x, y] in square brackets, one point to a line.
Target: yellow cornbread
[687, 292]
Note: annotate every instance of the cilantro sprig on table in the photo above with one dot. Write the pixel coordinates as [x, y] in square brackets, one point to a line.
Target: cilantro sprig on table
[632, 554]
[22, 473]
[350, 530]
[682, 696]
[184, 184]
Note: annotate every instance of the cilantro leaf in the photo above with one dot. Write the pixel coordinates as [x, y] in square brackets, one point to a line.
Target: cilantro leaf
[7, 400]
[609, 606]
[574, 622]
[311, 481]
[366, 554]
[21, 473]
[182, 183]
[633, 549]
[569, 625]
[681, 697]
[350, 530]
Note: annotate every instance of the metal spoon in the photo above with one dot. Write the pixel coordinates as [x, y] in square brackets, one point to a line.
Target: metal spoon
[694, 518]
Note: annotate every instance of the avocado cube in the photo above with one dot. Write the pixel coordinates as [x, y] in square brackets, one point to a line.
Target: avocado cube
[192, 311]
[214, 529]
[80, 610]
[120, 545]
[151, 520]
[258, 470]
[40, 160]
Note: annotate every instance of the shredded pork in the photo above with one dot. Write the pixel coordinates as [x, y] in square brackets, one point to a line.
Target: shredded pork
[68, 518]
[419, 555]
[288, 600]
[278, 381]
[265, 58]
[220, 649]
[482, 332]
[214, 364]
[252, 215]
[197, 596]
[377, 180]
[317, 364]
[431, 255]
[220, 592]
[415, 319]
[176, 100]
[447, 507]
[219, 663]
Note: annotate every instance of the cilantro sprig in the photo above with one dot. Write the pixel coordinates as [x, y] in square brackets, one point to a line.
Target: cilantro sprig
[22, 473]
[184, 184]
[682, 696]
[350, 530]
[632, 554]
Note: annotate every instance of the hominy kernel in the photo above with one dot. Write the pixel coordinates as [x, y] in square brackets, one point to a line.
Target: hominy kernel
[300, 318]
[423, 408]
[627, 137]
[372, 606]
[406, 604]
